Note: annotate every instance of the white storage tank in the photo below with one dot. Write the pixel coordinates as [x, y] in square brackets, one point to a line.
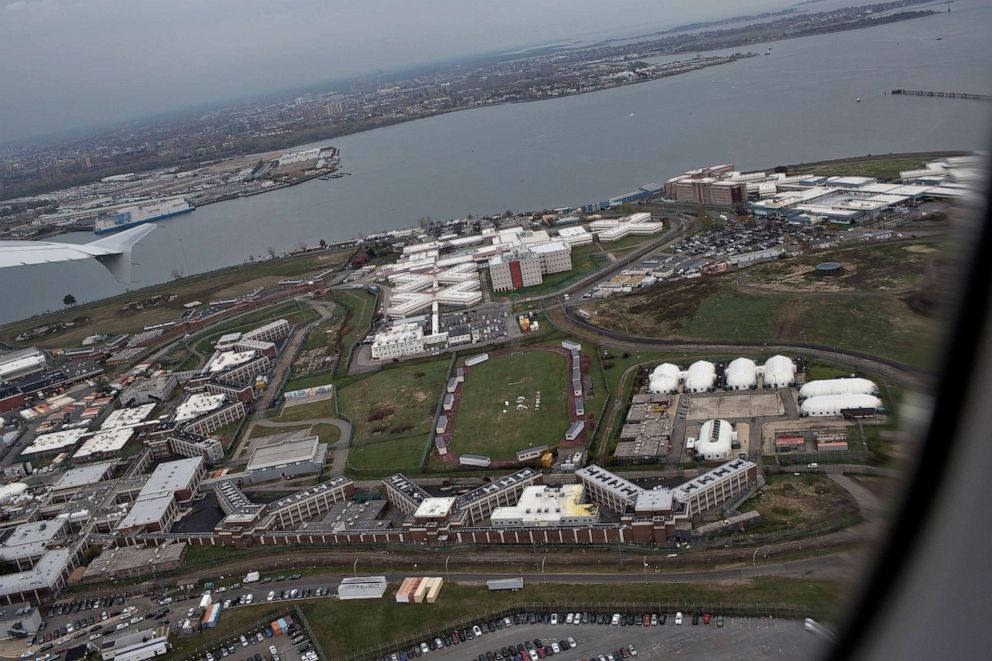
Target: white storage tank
[700, 377]
[852, 386]
[780, 372]
[741, 374]
[715, 440]
[665, 378]
[832, 405]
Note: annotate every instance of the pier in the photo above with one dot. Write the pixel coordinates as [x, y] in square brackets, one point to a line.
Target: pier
[945, 95]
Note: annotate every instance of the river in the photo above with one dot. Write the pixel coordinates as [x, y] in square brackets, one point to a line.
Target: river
[796, 104]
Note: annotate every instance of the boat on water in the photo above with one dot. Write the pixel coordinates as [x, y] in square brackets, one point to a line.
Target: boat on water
[142, 213]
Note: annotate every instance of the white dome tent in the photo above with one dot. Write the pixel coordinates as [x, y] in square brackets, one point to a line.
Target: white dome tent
[741, 374]
[664, 378]
[833, 405]
[780, 372]
[851, 386]
[715, 442]
[701, 376]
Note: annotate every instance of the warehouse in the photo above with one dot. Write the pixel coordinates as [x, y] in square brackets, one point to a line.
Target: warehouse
[850, 386]
[362, 587]
[836, 405]
[287, 460]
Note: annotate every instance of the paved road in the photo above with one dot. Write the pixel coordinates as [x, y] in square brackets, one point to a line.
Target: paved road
[869, 504]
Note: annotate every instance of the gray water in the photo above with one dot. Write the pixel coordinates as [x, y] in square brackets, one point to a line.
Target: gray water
[796, 104]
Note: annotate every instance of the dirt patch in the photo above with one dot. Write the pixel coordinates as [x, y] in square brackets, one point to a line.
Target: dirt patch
[419, 395]
[921, 249]
[806, 501]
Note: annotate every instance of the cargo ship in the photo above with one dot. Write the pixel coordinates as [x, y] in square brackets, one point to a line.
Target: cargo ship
[142, 213]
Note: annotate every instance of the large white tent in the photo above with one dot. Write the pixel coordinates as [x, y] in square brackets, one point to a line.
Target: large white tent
[852, 386]
[833, 405]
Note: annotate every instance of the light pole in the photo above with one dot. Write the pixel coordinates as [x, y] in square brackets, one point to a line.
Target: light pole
[754, 556]
[446, 575]
[543, 560]
[354, 569]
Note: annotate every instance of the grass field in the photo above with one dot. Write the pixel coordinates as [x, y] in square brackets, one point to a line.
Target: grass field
[309, 381]
[323, 408]
[882, 167]
[395, 401]
[381, 458]
[585, 260]
[802, 502]
[327, 433]
[360, 305]
[344, 627]
[627, 245]
[884, 304]
[106, 316]
[482, 427]
[262, 432]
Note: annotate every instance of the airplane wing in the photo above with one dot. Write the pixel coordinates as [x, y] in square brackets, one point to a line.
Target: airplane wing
[114, 252]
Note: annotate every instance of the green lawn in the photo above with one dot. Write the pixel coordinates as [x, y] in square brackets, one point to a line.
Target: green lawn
[327, 433]
[326, 334]
[881, 167]
[882, 304]
[323, 408]
[262, 432]
[345, 627]
[628, 244]
[394, 401]
[482, 427]
[360, 305]
[380, 458]
[309, 381]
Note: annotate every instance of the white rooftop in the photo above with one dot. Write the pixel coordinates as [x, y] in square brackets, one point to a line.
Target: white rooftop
[432, 508]
[171, 476]
[127, 417]
[282, 454]
[83, 476]
[225, 360]
[110, 440]
[197, 404]
[55, 441]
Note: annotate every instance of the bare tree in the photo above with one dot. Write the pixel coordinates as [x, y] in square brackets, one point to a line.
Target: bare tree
[176, 273]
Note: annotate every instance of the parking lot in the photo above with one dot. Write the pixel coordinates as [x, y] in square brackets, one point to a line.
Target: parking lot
[261, 643]
[748, 639]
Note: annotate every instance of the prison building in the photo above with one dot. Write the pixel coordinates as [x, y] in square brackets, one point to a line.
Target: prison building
[270, 332]
[716, 487]
[609, 490]
[309, 503]
[479, 503]
[403, 494]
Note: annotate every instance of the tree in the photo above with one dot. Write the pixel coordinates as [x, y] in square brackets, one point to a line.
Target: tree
[424, 222]
[323, 244]
[175, 274]
[271, 251]
[68, 300]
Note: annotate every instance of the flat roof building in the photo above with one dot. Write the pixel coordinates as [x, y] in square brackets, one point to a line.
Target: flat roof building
[547, 505]
[287, 459]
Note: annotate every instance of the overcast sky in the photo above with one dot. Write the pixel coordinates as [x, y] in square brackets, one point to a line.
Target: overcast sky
[69, 64]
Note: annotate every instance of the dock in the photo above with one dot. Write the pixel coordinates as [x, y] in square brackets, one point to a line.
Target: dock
[945, 95]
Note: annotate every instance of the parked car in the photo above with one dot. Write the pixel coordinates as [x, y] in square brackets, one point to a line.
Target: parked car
[678, 618]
